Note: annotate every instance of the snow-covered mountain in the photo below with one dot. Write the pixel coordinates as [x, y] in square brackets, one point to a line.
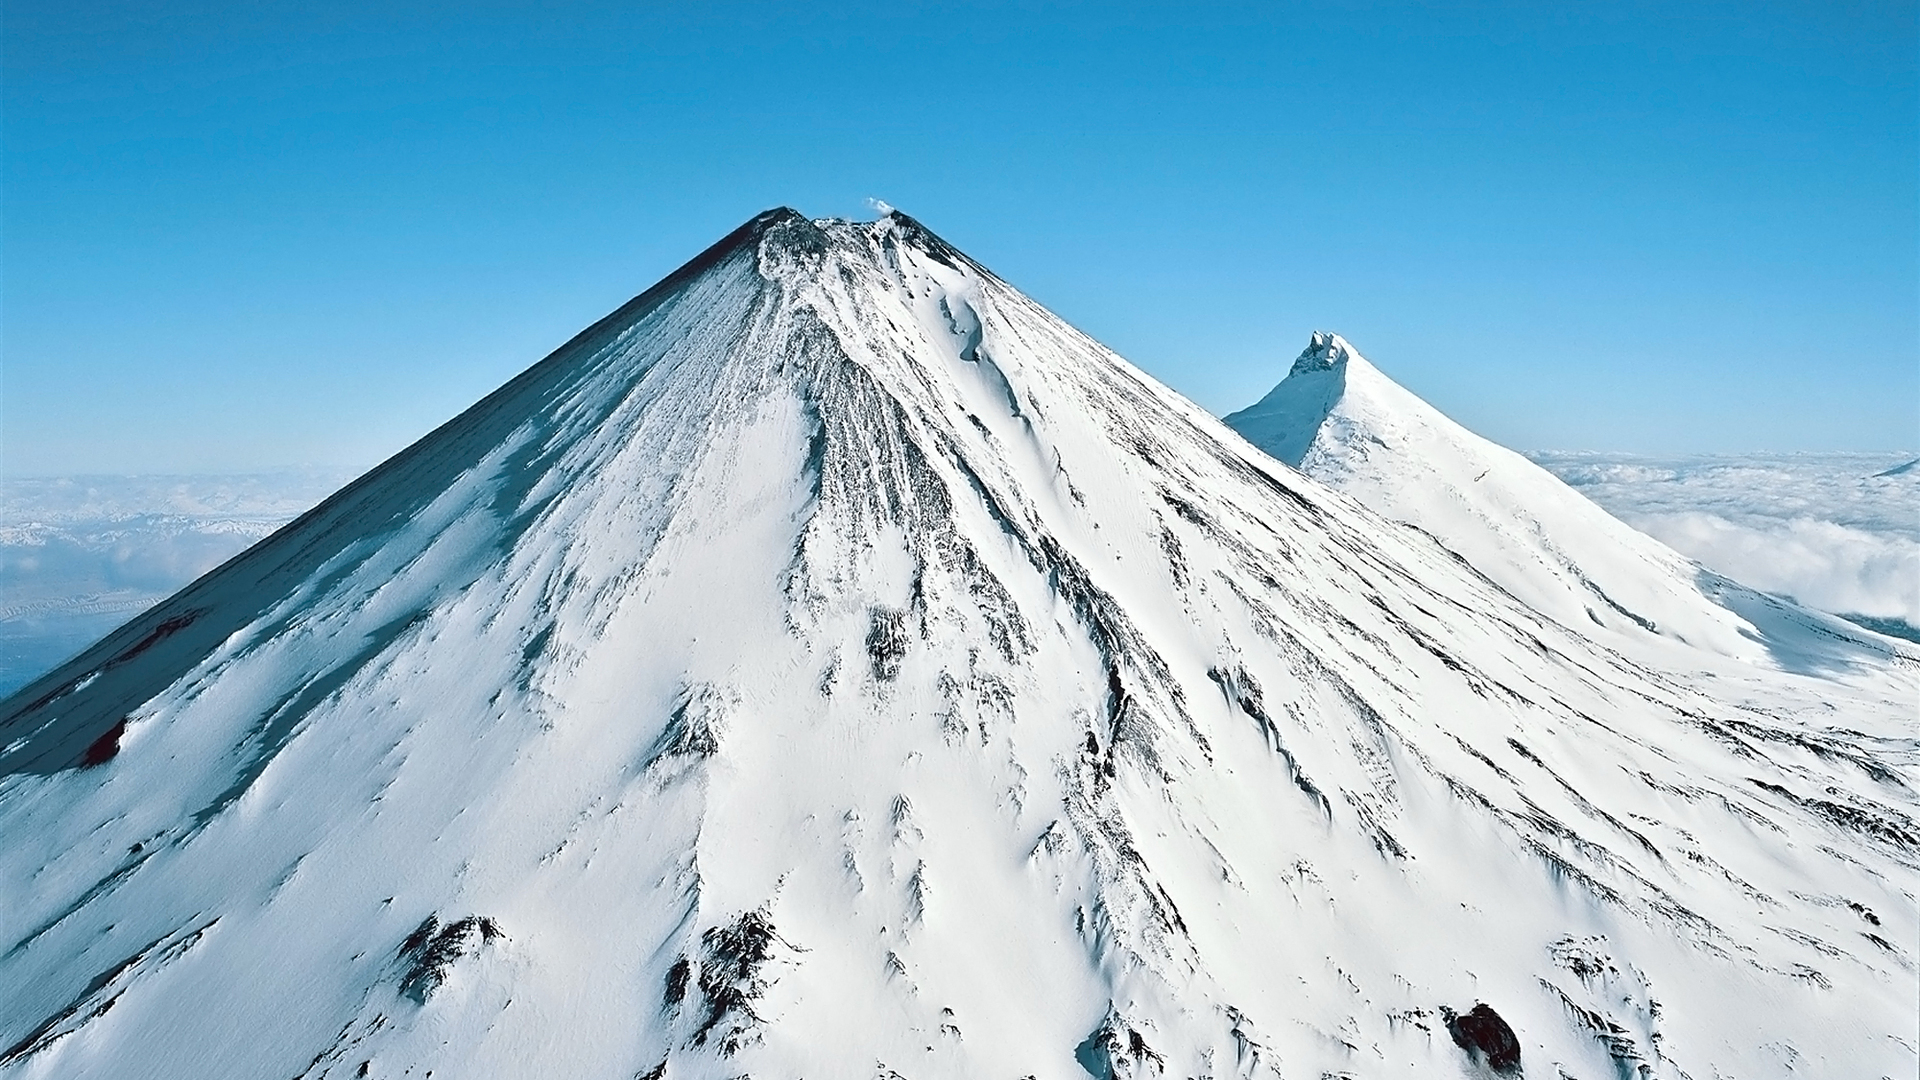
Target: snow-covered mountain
[1340, 420]
[831, 664]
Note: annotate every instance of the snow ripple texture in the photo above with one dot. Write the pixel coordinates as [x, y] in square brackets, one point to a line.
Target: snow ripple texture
[833, 665]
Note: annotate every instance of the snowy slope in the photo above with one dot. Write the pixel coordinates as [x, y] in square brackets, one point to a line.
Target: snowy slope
[1337, 418]
[833, 665]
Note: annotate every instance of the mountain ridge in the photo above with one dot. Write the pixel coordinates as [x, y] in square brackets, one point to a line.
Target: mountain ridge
[1341, 420]
[837, 665]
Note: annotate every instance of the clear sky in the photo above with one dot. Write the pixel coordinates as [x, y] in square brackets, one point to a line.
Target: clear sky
[250, 235]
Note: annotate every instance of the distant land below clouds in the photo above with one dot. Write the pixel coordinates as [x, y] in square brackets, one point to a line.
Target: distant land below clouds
[1835, 531]
[80, 555]
[1838, 531]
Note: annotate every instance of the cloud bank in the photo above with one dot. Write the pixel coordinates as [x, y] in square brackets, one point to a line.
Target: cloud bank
[1834, 531]
[81, 555]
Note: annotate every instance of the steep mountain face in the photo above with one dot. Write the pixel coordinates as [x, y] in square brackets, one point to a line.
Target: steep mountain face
[1340, 420]
[833, 665]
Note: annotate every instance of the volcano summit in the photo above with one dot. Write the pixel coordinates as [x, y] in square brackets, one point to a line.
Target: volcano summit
[831, 664]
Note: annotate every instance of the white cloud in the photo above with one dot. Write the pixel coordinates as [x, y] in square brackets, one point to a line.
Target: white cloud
[1825, 529]
[1820, 563]
[81, 555]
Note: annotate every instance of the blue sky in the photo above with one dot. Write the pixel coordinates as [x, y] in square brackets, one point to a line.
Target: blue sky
[244, 236]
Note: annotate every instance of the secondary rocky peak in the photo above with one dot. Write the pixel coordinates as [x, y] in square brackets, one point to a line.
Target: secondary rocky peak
[1286, 422]
[1343, 422]
[1325, 351]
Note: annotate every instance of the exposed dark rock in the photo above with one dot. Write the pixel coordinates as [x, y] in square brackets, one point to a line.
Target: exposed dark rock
[1881, 822]
[1582, 958]
[1176, 557]
[1115, 1050]
[1485, 1037]
[103, 749]
[677, 977]
[887, 642]
[730, 978]
[431, 950]
[693, 729]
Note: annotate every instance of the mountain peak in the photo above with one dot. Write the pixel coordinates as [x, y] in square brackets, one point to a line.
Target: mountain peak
[831, 652]
[794, 247]
[1286, 421]
[1344, 422]
[1325, 351]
